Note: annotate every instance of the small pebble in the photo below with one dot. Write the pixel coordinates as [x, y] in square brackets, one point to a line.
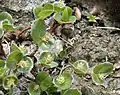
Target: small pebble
[77, 13]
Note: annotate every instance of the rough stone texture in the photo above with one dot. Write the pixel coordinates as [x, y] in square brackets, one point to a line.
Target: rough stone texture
[97, 44]
[21, 10]
[111, 8]
[18, 5]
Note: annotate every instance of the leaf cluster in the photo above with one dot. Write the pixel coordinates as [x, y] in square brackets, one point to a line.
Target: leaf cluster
[50, 48]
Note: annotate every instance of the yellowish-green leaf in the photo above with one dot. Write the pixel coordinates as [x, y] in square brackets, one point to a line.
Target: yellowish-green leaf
[63, 81]
[66, 14]
[44, 80]
[38, 31]
[33, 89]
[45, 13]
[103, 68]
[6, 15]
[10, 81]
[72, 92]
[97, 79]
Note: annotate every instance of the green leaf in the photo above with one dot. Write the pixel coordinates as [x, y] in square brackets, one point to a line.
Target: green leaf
[97, 79]
[21, 49]
[10, 81]
[14, 47]
[2, 63]
[46, 59]
[66, 14]
[72, 92]
[33, 89]
[2, 71]
[72, 19]
[25, 65]
[36, 11]
[5, 15]
[1, 32]
[47, 42]
[103, 68]
[52, 89]
[81, 67]
[48, 6]
[44, 80]
[63, 81]
[58, 17]
[57, 47]
[45, 13]
[9, 27]
[92, 18]
[13, 59]
[38, 30]
[57, 8]
[53, 64]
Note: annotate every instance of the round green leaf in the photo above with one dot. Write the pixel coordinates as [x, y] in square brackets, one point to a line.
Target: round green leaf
[72, 92]
[72, 19]
[45, 13]
[1, 32]
[7, 26]
[58, 18]
[25, 65]
[2, 71]
[81, 67]
[38, 30]
[66, 14]
[103, 68]
[5, 15]
[44, 80]
[47, 42]
[13, 59]
[57, 47]
[46, 59]
[10, 81]
[33, 89]
[63, 81]
[97, 79]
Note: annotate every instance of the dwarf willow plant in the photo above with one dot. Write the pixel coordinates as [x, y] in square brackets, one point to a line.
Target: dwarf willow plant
[98, 72]
[92, 18]
[6, 23]
[50, 48]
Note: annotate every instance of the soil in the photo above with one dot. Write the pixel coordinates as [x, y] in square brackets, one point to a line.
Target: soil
[89, 43]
